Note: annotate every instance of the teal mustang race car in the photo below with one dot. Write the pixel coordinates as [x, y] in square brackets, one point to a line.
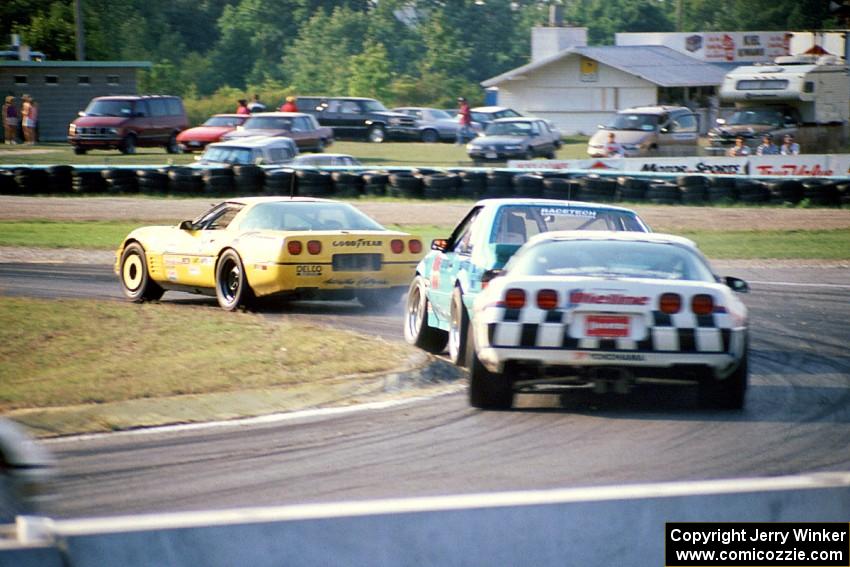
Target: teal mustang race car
[457, 268]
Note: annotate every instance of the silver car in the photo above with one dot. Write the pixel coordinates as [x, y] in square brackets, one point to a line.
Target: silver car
[25, 472]
[514, 138]
[434, 124]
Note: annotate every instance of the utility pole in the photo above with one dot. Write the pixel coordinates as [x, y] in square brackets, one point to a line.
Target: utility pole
[80, 28]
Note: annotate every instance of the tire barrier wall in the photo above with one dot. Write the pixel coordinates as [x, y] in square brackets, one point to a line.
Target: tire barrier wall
[617, 525]
[431, 184]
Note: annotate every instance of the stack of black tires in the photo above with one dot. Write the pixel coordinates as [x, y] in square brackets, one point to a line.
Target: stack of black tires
[120, 180]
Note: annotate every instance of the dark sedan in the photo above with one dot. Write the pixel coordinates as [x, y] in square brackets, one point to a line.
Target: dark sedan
[302, 128]
[514, 138]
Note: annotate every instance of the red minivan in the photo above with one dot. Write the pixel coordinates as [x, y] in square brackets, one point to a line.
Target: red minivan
[128, 122]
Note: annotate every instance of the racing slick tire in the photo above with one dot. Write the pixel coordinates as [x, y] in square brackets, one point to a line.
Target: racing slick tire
[136, 282]
[487, 390]
[416, 329]
[728, 394]
[231, 286]
[458, 330]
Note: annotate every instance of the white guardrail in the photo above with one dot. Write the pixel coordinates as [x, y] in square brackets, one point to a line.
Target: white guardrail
[622, 526]
[809, 165]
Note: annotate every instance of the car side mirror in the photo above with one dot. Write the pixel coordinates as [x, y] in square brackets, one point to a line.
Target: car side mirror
[439, 244]
[187, 225]
[490, 275]
[737, 284]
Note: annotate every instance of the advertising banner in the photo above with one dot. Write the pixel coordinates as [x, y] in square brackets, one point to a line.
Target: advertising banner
[794, 166]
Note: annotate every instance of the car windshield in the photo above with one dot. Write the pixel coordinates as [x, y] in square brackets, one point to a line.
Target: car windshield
[374, 105]
[268, 123]
[228, 154]
[307, 216]
[508, 129]
[514, 224]
[224, 121]
[761, 117]
[506, 113]
[642, 122]
[110, 108]
[609, 258]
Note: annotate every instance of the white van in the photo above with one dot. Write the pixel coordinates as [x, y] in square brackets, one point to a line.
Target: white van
[650, 131]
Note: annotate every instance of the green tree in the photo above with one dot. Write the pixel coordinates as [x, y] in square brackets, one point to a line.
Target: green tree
[370, 72]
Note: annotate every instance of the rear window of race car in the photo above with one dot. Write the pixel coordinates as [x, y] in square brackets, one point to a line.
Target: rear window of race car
[306, 217]
[515, 224]
[610, 259]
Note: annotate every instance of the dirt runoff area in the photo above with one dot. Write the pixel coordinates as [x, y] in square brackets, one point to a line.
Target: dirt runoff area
[661, 218]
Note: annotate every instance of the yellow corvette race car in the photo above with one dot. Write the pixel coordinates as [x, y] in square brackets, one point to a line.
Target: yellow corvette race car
[252, 247]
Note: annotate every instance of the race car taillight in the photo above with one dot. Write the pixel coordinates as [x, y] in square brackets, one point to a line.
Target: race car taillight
[415, 246]
[294, 247]
[314, 247]
[702, 304]
[547, 299]
[670, 303]
[397, 246]
[515, 298]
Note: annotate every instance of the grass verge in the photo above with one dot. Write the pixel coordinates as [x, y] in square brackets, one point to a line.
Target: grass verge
[793, 244]
[78, 365]
[389, 153]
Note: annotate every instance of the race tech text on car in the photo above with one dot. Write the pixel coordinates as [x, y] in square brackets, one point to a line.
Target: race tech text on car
[449, 277]
[253, 247]
[607, 309]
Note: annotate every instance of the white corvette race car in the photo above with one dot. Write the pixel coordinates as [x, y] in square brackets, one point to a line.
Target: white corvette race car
[607, 309]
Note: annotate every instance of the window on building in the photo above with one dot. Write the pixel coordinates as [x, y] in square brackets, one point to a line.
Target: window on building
[20, 79]
[809, 87]
[113, 80]
[51, 80]
[84, 80]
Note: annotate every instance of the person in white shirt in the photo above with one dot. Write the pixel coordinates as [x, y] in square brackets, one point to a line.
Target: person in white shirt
[789, 146]
[739, 149]
[613, 148]
[255, 105]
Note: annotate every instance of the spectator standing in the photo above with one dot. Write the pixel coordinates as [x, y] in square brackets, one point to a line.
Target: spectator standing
[739, 149]
[789, 146]
[613, 148]
[767, 147]
[289, 105]
[255, 105]
[242, 107]
[10, 121]
[29, 118]
[464, 118]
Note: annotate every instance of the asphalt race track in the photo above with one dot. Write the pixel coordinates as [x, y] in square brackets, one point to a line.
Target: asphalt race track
[797, 420]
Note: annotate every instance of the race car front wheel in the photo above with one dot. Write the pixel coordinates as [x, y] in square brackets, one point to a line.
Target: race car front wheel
[231, 286]
[487, 390]
[417, 332]
[135, 279]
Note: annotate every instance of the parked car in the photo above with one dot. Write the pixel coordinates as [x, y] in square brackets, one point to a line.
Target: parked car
[450, 277]
[325, 160]
[301, 127]
[259, 150]
[356, 117]
[513, 138]
[650, 131]
[251, 247]
[484, 115]
[128, 122]
[434, 124]
[216, 126]
[26, 469]
[607, 309]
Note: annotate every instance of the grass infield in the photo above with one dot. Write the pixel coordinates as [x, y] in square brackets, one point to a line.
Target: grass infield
[796, 244]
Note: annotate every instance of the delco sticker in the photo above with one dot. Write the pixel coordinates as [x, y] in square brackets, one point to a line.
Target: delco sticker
[311, 270]
[359, 243]
[578, 296]
[565, 211]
